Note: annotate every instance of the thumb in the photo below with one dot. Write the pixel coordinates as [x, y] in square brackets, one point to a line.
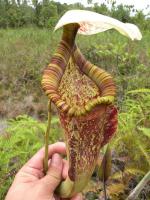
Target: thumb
[54, 174]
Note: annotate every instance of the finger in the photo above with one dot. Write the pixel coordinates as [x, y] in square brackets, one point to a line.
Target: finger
[77, 197]
[36, 161]
[54, 174]
[65, 169]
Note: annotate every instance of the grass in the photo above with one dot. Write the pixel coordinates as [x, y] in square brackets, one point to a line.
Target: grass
[25, 52]
[23, 55]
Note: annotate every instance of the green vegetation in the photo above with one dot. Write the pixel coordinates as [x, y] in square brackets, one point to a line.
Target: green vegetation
[23, 137]
[24, 52]
[45, 13]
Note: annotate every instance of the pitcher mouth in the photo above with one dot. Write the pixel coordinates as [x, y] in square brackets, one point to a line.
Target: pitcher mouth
[97, 83]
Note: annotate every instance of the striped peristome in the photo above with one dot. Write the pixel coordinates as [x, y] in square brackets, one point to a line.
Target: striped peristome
[54, 73]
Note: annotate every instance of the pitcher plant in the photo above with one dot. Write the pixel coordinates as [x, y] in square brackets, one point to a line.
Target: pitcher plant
[83, 95]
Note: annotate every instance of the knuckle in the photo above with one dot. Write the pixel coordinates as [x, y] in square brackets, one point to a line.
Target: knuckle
[54, 171]
[54, 176]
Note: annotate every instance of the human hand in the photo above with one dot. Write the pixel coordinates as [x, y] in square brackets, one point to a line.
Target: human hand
[30, 182]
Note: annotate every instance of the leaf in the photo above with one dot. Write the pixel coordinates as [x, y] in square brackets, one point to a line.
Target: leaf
[104, 170]
[141, 90]
[145, 131]
[92, 23]
[143, 150]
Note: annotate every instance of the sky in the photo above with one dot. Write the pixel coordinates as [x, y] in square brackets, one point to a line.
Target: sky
[138, 4]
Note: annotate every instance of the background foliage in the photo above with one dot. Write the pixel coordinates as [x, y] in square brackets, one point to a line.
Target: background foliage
[45, 13]
[27, 43]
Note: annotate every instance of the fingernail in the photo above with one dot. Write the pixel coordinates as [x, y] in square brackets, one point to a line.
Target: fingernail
[56, 160]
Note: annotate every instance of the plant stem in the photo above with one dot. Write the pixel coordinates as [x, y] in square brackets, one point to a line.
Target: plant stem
[104, 187]
[47, 138]
[134, 194]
